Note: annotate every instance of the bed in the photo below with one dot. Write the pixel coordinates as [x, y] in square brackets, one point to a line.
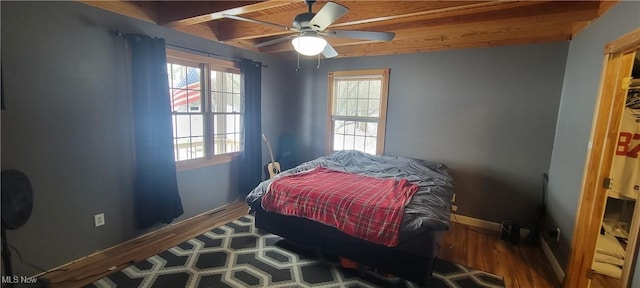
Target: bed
[424, 217]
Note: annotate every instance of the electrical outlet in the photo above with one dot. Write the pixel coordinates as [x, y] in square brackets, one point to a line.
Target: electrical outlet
[98, 219]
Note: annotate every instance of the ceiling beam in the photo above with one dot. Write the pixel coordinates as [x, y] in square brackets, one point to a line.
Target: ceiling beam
[179, 14]
[143, 10]
[529, 12]
[426, 29]
[204, 30]
[454, 41]
[411, 14]
[359, 13]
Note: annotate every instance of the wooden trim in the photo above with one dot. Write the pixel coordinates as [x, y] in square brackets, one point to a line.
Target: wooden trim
[604, 133]
[196, 58]
[142, 10]
[329, 133]
[605, 5]
[191, 164]
[624, 44]
[84, 271]
[382, 124]
[227, 7]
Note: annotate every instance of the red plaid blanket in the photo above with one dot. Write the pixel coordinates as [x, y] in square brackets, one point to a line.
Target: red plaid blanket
[364, 207]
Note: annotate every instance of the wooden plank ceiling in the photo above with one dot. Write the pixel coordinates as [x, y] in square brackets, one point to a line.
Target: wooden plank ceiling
[418, 25]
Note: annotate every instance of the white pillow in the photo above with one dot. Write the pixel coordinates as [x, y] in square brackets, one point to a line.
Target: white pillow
[607, 269]
[609, 245]
[604, 258]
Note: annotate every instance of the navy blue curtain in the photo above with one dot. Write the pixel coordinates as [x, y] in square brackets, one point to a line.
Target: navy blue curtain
[251, 159]
[156, 194]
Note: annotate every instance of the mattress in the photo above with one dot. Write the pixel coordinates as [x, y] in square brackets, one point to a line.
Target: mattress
[429, 208]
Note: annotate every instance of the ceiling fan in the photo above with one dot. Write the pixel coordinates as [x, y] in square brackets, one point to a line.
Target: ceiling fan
[311, 28]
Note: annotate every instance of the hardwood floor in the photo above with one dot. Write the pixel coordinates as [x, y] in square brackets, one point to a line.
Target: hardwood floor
[521, 266]
[98, 265]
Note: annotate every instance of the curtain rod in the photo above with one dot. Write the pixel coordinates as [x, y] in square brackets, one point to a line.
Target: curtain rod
[204, 53]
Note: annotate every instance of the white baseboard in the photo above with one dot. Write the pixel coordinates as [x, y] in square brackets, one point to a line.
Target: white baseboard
[488, 225]
[552, 260]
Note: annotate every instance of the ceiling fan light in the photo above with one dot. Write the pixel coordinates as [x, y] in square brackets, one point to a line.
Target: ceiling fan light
[309, 45]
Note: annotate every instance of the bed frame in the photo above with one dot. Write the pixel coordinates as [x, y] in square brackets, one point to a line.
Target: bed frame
[412, 259]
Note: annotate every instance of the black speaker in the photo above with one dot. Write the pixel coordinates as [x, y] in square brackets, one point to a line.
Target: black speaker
[510, 231]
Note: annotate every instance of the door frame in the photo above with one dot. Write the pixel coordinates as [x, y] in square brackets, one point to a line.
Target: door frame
[617, 64]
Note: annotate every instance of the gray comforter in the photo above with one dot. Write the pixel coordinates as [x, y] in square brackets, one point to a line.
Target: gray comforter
[429, 209]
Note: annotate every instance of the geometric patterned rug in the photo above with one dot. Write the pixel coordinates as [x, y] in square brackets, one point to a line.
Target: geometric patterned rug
[239, 255]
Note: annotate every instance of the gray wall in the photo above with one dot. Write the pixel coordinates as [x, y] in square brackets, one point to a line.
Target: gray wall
[580, 89]
[68, 127]
[489, 114]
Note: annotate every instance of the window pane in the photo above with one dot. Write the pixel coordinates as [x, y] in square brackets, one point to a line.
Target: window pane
[370, 145]
[226, 98]
[183, 146]
[182, 126]
[356, 100]
[191, 139]
[219, 124]
[228, 102]
[193, 86]
[372, 129]
[352, 107]
[352, 90]
[360, 128]
[188, 132]
[228, 82]
[338, 127]
[227, 133]
[237, 104]
[348, 142]
[374, 108]
[359, 143]
[349, 127]
[374, 89]
[363, 89]
[357, 135]
[178, 74]
[341, 89]
[197, 124]
[197, 147]
[216, 102]
[236, 83]
[363, 107]
[184, 84]
[341, 109]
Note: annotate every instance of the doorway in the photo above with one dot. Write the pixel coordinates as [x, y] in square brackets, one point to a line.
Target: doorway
[619, 58]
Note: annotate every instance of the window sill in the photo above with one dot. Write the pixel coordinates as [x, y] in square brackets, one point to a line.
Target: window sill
[187, 165]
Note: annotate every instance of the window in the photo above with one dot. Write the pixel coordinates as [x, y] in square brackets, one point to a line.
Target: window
[357, 110]
[206, 104]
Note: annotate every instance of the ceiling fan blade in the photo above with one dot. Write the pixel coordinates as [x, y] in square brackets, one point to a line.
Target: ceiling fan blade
[329, 52]
[234, 17]
[273, 41]
[364, 35]
[327, 15]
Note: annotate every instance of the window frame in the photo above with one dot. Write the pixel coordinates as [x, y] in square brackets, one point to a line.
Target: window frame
[382, 118]
[206, 64]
